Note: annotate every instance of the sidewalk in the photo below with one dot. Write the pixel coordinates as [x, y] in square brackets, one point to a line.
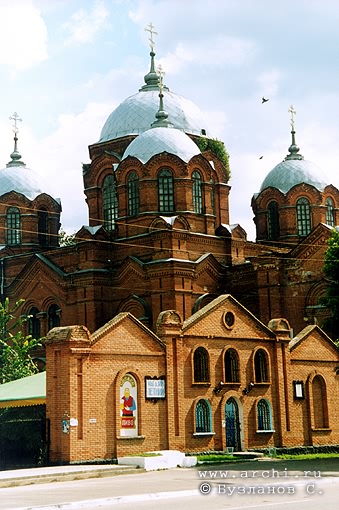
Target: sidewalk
[29, 476]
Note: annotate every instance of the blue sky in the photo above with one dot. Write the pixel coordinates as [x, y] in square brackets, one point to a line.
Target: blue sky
[65, 65]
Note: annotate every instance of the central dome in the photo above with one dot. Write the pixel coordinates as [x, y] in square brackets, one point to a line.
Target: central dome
[135, 115]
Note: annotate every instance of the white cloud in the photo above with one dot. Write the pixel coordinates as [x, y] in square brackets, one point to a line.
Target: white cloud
[23, 35]
[84, 24]
[58, 158]
[268, 82]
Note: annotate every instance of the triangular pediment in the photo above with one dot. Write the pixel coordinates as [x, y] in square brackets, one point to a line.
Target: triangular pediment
[310, 246]
[229, 319]
[312, 344]
[130, 270]
[126, 335]
[38, 270]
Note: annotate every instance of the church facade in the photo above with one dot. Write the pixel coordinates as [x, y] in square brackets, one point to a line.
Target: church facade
[169, 296]
[216, 381]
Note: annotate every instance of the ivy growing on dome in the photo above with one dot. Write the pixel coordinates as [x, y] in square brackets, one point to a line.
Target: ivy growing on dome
[217, 147]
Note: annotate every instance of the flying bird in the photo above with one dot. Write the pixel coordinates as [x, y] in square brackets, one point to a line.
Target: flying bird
[264, 100]
[261, 157]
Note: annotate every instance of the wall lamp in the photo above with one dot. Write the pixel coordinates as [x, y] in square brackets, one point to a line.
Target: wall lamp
[248, 388]
[218, 388]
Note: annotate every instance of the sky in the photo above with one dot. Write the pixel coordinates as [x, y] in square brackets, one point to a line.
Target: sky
[65, 65]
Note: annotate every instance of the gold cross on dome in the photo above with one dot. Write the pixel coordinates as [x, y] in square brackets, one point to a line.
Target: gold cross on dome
[15, 117]
[150, 29]
[292, 112]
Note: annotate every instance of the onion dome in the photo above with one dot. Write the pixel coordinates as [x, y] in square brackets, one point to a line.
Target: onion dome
[136, 113]
[293, 170]
[16, 176]
[162, 137]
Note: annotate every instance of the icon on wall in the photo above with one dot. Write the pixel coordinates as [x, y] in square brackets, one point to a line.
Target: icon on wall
[128, 406]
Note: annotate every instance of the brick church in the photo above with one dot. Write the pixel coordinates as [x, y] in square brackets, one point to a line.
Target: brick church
[165, 327]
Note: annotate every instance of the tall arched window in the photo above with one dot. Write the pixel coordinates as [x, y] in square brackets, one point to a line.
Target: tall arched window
[43, 227]
[201, 365]
[165, 190]
[320, 410]
[231, 366]
[53, 317]
[303, 216]
[203, 422]
[13, 226]
[273, 227]
[264, 415]
[197, 192]
[133, 194]
[109, 202]
[261, 371]
[213, 195]
[329, 212]
[34, 323]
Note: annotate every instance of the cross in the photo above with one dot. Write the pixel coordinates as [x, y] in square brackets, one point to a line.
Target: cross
[16, 118]
[150, 29]
[292, 112]
[161, 74]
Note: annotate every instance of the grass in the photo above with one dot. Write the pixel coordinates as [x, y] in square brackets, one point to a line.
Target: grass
[209, 458]
[308, 456]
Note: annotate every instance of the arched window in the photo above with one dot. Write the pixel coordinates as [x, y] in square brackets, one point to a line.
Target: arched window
[53, 317]
[13, 226]
[273, 227]
[109, 202]
[201, 365]
[203, 422]
[43, 227]
[261, 366]
[329, 212]
[320, 410]
[264, 415]
[34, 323]
[231, 366]
[133, 194]
[303, 216]
[165, 191]
[197, 192]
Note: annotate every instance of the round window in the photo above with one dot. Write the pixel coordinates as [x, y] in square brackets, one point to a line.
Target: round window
[229, 319]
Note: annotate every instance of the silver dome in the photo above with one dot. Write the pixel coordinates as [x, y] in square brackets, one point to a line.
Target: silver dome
[136, 114]
[162, 139]
[22, 180]
[290, 172]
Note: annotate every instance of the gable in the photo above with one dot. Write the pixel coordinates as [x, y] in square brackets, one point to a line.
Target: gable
[125, 335]
[38, 270]
[316, 241]
[313, 345]
[225, 317]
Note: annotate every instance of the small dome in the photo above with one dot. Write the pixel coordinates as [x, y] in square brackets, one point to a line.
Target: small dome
[162, 139]
[290, 172]
[22, 180]
[136, 113]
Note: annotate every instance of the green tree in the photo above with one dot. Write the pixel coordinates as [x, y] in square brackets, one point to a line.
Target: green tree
[15, 346]
[331, 271]
[218, 148]
[66, 239]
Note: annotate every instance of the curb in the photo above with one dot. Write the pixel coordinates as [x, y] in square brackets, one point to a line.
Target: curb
[66, 476]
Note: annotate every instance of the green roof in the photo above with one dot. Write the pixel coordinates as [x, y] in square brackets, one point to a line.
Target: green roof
[28, 391]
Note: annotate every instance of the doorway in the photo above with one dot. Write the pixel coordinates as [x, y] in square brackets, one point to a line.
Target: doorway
[232, 424]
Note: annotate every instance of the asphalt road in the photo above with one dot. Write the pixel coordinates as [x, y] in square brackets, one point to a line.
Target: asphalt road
[259, 484]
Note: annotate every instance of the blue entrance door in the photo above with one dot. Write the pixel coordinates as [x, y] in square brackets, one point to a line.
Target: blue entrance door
[232, 424]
